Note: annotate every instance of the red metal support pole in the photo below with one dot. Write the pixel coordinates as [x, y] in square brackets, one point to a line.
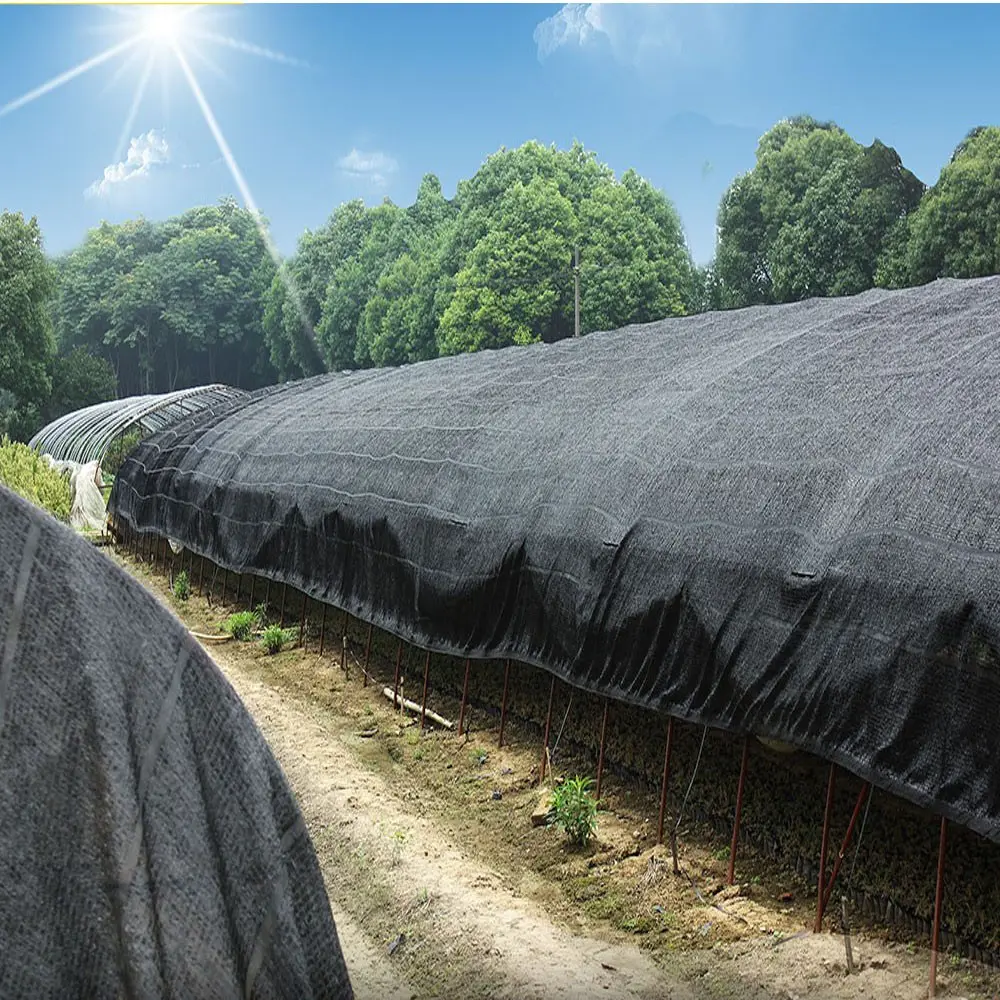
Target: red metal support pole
[600, 752]
[239, 587]
[548, 728]
[201, 575]
[862, 795]
[368, 654]
[343, 645]
[503, 703]
[666, 779]
[824, 842]
[302, 622]
[253, 587]
[739, 809]
[423, 703]
[225, 585]
[938, 895]
[322, 629]
[281, 612]
[395, 679]
[465, 694]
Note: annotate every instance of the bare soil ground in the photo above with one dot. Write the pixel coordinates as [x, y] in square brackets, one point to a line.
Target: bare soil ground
[442, 887]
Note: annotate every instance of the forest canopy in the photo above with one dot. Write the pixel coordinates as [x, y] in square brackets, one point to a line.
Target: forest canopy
[146, 306]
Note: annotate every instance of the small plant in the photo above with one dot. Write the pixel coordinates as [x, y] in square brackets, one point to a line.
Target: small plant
[574, 810]
[479, 756]
[240, 625]
[274, 638]
[182, 586]
[398, 838]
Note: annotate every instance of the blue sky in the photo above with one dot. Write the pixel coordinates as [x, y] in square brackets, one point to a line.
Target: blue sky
[372, 97]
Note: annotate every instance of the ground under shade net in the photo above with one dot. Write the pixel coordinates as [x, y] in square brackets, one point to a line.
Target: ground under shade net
[778, 520]
[149, 844]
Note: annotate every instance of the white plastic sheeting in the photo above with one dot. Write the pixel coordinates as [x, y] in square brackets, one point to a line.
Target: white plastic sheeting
[89, 510]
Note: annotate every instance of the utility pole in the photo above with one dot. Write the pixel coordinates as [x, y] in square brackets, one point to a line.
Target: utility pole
[576, 293]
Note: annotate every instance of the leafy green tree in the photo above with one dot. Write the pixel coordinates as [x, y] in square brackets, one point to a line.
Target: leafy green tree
[955, 232]
[516, 287]
[400, 319]
[390, 233]
[812, 218]
[79, 379]
[27, 282]
[172, 304]
[291, 336]
[634, 265]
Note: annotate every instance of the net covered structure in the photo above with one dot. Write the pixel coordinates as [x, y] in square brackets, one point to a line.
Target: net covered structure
[86, 435]
[781, 521]
[150, 845]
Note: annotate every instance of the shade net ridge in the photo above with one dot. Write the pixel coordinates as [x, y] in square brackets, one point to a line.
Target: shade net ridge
[150, 846]
[777, 520]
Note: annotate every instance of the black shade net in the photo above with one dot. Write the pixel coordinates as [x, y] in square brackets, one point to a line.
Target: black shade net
[149, 844]
[782, 521]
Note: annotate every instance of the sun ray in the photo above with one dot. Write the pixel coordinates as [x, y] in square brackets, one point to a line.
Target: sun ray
[210, 64]
[245, 193]
[126, 65]
[140, 91]
[70, 74]
[251, 49]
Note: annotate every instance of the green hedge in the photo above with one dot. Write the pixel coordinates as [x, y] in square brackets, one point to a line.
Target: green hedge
[23, 471]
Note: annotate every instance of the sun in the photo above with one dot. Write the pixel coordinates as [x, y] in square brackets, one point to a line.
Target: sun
[163, 24]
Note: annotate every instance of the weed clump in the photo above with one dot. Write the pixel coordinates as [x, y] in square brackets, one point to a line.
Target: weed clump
[241, 625]
[574, 810]
[274, 639]
[182, 586]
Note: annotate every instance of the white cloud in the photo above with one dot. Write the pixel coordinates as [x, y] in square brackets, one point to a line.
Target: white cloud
[574, 24]
[373, 167]
[637, 33]
[144, 152]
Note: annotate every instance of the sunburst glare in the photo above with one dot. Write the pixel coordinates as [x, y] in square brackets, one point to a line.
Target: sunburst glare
[162, 30]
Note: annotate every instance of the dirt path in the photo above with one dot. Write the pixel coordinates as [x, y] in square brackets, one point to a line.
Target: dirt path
[454, 904]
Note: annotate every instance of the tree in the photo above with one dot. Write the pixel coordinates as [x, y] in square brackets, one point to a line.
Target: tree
[27, 282]
[389, 234]
[401, 318]
[812, 218]
[955, 232]
[634, 266]
[516, 287]
[79, 379]
[173, 304]
[291, 335]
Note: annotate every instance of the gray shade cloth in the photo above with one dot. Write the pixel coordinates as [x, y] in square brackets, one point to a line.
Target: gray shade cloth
[782, 521]
[149, 844]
